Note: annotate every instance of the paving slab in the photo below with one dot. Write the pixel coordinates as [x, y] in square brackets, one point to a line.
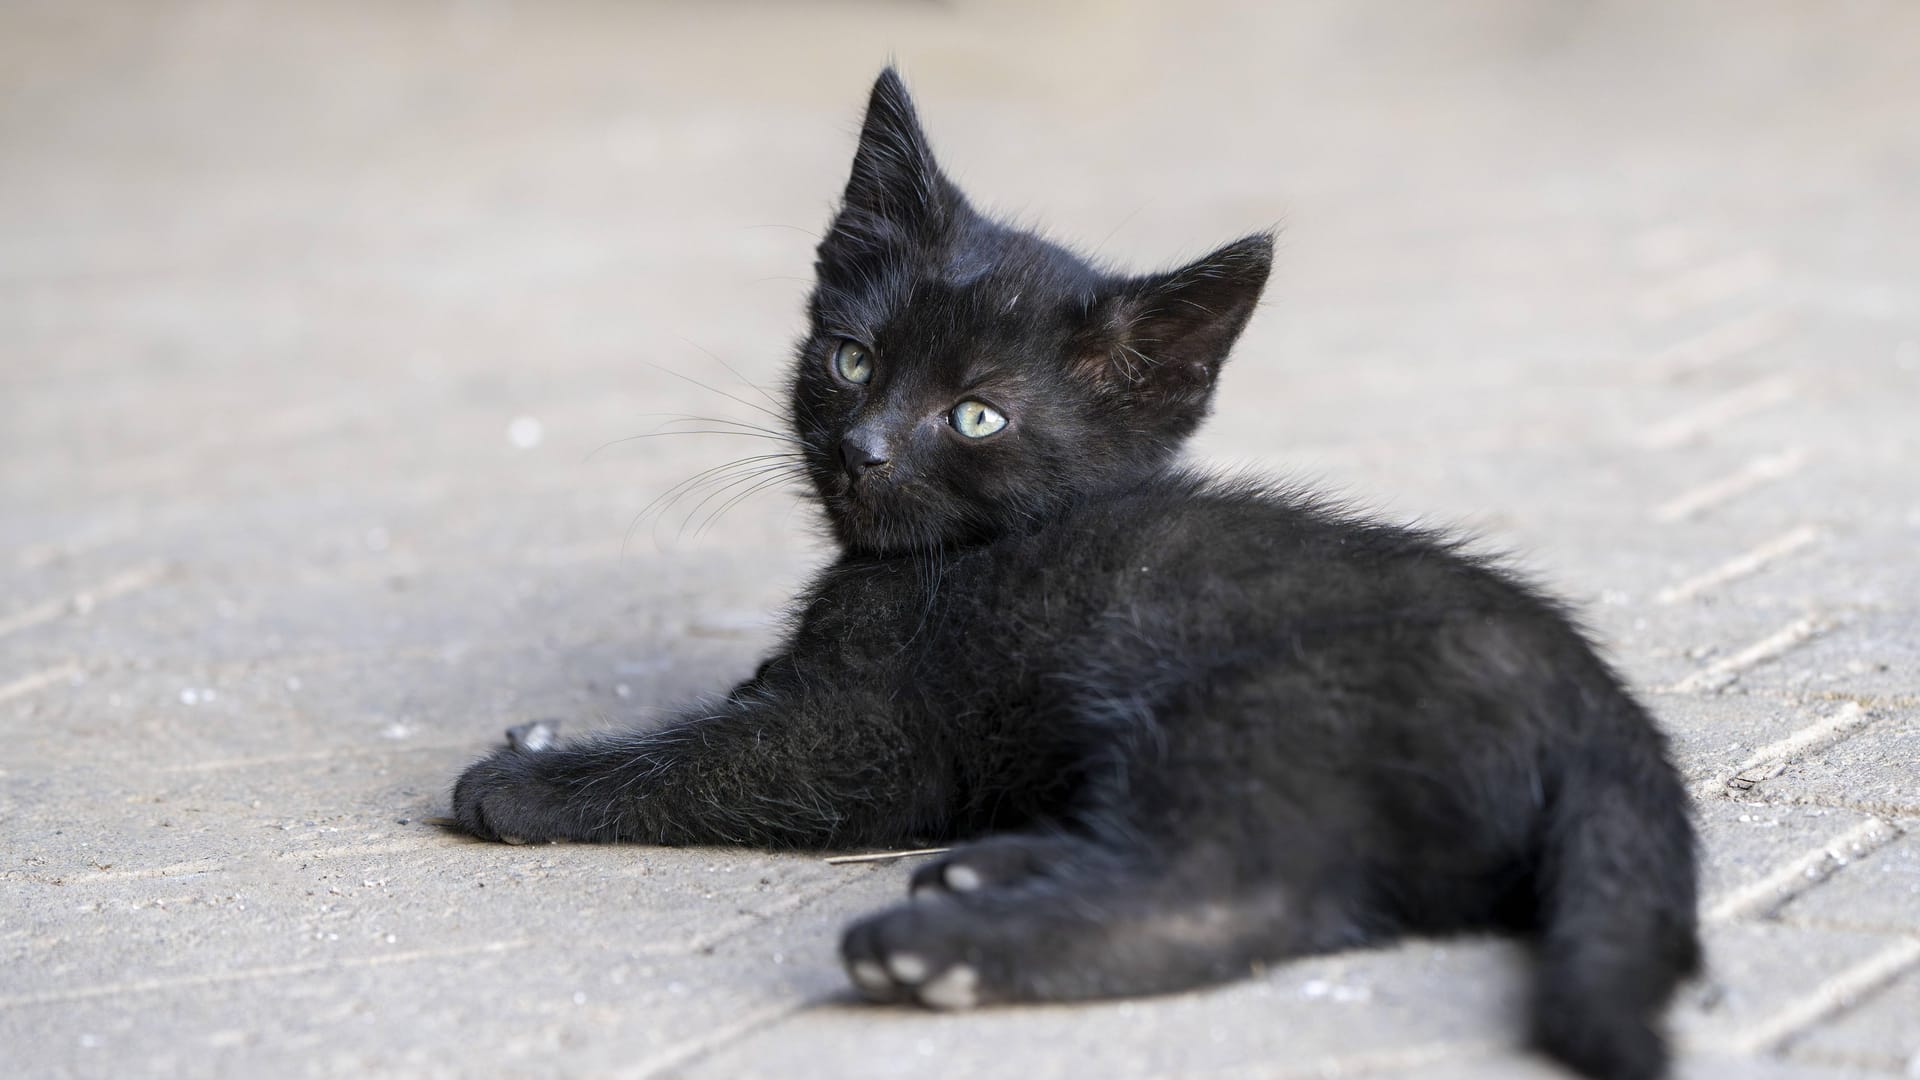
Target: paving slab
[1881, 888]
[1875, 1035]
[1877, 769]
[1756, 856]
[1758, 978]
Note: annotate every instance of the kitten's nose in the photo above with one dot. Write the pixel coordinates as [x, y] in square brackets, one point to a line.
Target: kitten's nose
[859, 454]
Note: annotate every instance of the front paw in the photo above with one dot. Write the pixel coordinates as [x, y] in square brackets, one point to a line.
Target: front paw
[495, 799]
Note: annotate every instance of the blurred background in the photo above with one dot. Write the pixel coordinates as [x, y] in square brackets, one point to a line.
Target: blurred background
[361, 288]
[321, 324]
[327, 254]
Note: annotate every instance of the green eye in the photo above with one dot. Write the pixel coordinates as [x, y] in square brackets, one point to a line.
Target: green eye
[977, 419]
[852, 362]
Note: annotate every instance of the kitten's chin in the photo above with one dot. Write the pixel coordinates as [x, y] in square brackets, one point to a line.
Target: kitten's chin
[891, 518]
[881, 526]
[865, 530]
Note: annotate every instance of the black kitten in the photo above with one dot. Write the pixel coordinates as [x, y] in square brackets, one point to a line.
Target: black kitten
[1199, 725]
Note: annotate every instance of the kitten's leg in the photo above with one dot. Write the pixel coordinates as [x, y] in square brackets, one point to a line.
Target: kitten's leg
[803, 767]
[1103, 925]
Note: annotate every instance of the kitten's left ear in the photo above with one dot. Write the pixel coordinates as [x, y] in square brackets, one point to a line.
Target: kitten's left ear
[1161, 339]
[894, 175]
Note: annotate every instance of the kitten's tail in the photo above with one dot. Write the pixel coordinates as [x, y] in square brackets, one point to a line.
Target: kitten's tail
[1617, 923]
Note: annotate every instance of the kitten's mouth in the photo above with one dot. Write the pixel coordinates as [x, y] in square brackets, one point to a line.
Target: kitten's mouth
[859, 507]
[886, 513]
[871, 492]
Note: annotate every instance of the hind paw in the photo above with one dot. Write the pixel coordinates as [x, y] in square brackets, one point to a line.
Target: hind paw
[923, 954]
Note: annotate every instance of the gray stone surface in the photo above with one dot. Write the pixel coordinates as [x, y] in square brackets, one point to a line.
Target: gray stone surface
[1878, 1035]
[321, 327]
[1883, 891]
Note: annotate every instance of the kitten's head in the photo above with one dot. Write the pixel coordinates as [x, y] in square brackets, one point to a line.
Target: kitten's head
[961, 378]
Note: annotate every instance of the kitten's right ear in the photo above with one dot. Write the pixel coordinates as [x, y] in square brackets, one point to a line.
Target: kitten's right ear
[894, 174]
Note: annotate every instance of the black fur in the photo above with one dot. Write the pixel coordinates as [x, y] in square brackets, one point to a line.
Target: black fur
[1190, 725]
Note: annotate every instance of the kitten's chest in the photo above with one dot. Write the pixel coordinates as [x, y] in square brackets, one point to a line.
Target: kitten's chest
[983, 625]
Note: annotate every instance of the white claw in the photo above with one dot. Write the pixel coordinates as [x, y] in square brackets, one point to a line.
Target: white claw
[958, 987]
